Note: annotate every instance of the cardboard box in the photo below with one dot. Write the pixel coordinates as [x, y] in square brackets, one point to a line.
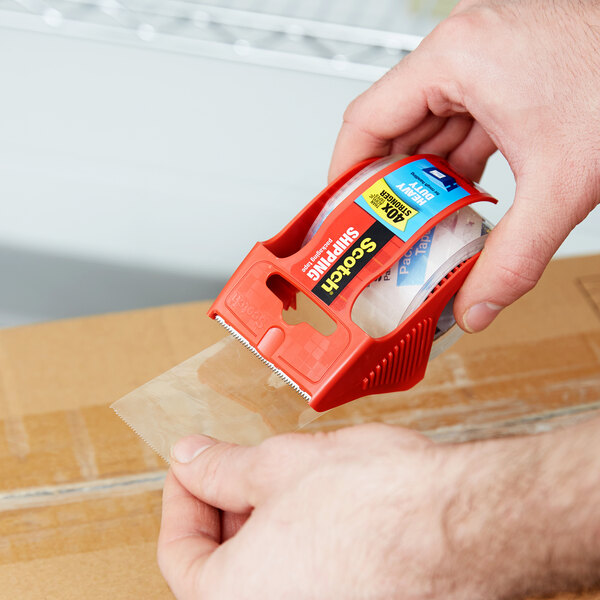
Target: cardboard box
[80, 493]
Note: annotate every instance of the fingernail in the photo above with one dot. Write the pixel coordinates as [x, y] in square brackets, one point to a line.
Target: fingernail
[478, 317]
[186, 449]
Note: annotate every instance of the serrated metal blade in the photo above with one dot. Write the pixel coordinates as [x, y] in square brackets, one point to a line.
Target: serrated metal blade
[240, 338]
[115, 407]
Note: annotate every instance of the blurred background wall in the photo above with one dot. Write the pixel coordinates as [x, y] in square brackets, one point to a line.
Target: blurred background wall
[145, 146]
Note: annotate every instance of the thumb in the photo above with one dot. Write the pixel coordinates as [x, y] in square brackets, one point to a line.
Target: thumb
[238, 478]
[218, 473]
[515, 254]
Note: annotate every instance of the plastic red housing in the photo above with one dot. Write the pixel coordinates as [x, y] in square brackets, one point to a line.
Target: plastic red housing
[347, 364]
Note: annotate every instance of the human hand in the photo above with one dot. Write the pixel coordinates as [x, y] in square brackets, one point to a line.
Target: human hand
[368, 512]
[521, 76]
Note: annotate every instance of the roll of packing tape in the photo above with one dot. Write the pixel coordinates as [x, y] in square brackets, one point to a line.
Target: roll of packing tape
[394, 296]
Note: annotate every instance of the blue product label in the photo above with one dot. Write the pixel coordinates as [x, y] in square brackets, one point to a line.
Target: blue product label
[412, 266]
[405, 199]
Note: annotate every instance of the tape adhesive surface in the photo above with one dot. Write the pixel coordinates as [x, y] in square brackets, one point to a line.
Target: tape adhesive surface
[224, 391]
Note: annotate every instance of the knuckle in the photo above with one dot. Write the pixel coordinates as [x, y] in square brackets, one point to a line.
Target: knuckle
[372, 429]
[457, 27]
[380, 438]
[274, 454]
[463, 5]
[352, 111]
[448, 54]
[463, 32]
[347, 116]
[287, 453]
[357, 117]
[210, 474]
[366, 431]
[279, 443]
[401, 435]
[520, 274]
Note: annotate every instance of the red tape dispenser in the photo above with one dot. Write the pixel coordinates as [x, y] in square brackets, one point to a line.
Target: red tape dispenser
[378, 222]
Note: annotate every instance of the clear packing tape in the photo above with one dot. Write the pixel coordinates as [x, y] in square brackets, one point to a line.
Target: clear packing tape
[227, 393]
[224, 391]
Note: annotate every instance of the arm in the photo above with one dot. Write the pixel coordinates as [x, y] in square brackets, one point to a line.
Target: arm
[531, 507]
[381, 512]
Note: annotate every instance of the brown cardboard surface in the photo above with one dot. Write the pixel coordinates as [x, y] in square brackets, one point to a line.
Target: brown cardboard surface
[80, 493]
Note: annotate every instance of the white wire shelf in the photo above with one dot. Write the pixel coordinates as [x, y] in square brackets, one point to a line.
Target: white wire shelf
[358, 40]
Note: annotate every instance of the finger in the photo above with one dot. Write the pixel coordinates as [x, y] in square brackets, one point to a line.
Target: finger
[454, 132]
[515, 255]
[471, 156]
[408, 143]
[238, 478]
[354, 144]
[189, 534]
[231, 523]
[381, 114]
[218, 473]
